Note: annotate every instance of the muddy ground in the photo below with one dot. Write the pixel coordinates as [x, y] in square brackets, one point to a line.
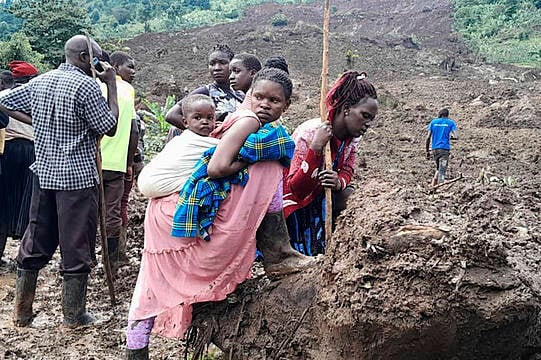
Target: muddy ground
[411, 273]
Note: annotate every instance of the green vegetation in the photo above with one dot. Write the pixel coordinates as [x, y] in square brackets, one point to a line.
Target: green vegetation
[279, 20]
[351, 56]
[157, 128]
[47, 24]
[18, 47]
[504, 31]
[507, 31]
[159, 111]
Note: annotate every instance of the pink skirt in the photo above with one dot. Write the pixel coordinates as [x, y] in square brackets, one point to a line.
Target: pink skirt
[178, 272]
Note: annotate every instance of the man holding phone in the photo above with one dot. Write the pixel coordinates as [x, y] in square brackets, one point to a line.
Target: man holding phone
[69, 113]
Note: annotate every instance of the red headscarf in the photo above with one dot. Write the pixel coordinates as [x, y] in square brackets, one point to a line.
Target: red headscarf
[22, 69]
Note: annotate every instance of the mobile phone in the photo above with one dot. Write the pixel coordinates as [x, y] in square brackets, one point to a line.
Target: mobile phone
[97, 65]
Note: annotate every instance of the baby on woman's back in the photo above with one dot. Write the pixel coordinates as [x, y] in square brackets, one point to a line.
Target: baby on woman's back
[169, 170]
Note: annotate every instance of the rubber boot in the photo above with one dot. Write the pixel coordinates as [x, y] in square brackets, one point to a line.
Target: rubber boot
[25, 290]
[279, 258]
[112, 248]
[138, 354]
[74, 301]
[122, 246]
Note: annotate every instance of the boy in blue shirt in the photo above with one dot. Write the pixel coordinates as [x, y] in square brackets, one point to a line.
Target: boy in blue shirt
[440, 131]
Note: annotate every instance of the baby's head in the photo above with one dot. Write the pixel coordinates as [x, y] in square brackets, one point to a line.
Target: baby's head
[271, 93]
[199, 114]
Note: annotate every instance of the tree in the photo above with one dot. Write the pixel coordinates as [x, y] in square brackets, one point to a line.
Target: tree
[50, 23]
[121, 14]
[19, 48]
[201, 4]
[144, 11]
[8, 23]
[95, 16]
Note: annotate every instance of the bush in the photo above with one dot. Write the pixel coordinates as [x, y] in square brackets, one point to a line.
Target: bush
[157, 128]
[505, 31]
[279, 20]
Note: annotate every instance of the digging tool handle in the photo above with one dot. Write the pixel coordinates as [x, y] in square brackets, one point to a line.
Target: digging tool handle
[103, 229]
[101, 214]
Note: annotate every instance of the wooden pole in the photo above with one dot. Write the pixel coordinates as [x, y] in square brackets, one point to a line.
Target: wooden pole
[323, 114]
[103, 230]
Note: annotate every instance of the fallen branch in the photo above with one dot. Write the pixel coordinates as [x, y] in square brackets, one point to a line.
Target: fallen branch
[447, 182]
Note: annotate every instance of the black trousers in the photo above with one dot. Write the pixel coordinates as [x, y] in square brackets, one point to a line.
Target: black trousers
[65, 218]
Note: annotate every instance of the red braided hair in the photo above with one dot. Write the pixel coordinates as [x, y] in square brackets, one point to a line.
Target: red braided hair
[350, 88]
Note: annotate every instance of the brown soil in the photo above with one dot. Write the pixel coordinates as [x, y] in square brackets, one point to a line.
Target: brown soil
[411, 273]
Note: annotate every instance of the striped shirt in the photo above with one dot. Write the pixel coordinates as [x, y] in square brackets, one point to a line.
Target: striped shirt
[68, 113]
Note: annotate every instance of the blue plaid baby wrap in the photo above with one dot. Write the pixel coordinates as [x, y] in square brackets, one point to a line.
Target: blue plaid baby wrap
[201, 196]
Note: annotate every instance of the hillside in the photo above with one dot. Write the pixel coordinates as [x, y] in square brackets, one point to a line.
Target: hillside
[472, 294]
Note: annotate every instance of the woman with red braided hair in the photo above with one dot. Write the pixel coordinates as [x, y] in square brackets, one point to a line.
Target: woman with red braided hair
[352, 104]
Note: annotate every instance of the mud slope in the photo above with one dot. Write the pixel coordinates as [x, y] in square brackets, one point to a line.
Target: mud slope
[410, 274]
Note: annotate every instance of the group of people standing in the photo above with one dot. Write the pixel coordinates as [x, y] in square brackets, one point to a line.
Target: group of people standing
[66, 112]
[230, 180]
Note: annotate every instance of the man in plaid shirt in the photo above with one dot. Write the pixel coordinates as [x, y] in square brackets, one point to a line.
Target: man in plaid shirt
[69, 113]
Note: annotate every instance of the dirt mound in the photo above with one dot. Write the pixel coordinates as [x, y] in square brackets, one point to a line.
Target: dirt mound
[432, 280]
[512, 114]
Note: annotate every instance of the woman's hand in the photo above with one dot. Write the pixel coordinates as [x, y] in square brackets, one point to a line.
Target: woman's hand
[321, 137]
[329, 179]
[225, 161]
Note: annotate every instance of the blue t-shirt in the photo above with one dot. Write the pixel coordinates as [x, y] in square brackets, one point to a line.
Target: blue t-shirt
[441, 129]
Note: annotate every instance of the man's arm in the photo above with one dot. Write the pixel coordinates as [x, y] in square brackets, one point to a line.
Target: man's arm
[17, 115]
[112, 102]
[132, 144]
[427, 144]
[17, 104]
[454, 135]
[96, 111]
[174, 116]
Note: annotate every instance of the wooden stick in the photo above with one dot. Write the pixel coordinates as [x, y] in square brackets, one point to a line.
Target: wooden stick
[447, 182]
[323, 114]
[101, 203]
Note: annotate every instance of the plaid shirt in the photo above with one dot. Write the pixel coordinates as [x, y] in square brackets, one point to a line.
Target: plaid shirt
[68, 112]
[201, 196]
